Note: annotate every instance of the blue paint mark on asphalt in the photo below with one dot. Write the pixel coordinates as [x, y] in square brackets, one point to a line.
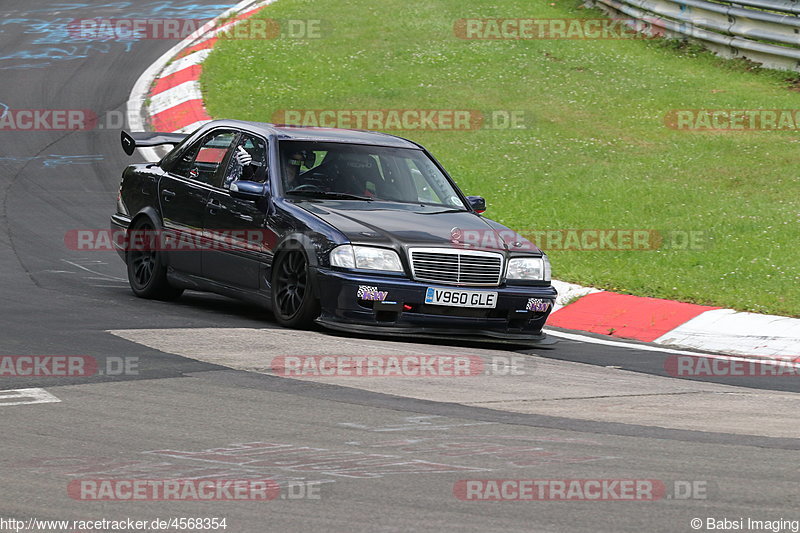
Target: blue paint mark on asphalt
[59, 160]
[56, 160]
[163, 8]
[50, 53]
[66, 52]
[56, 31]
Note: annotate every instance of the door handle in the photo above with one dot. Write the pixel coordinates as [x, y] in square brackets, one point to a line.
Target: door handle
[247, 218]
[214, 206]
[167, 195]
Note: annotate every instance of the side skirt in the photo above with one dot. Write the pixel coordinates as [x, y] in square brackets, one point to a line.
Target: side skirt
[198, 283]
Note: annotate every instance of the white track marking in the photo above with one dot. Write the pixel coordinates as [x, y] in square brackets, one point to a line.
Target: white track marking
[649, 348]
[105, 277]
[738, 333]
[415, 423]
[26, 397]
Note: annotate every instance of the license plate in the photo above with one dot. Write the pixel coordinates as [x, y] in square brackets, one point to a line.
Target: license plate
[457, 298]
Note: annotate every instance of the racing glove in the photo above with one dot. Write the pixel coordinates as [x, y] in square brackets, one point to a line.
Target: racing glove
[242, 157]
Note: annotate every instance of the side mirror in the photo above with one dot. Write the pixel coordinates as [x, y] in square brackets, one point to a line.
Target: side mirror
[248, 190]
[478, 203]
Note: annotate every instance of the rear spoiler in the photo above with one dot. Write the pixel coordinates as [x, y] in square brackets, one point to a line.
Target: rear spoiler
[142, 139]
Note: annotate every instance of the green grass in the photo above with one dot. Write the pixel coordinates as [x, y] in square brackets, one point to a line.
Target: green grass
[597, 153]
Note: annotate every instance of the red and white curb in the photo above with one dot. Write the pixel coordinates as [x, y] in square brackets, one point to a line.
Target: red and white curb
[676, 324]
[168, 96]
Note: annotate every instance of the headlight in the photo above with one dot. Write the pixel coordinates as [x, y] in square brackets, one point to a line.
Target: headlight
[529, 268]
[366, 257]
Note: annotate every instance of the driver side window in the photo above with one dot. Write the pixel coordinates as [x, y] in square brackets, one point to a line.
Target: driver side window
[205, 160]
[252, 151]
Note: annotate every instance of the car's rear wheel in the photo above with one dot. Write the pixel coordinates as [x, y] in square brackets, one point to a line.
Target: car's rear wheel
[147, 270]
[293, 300]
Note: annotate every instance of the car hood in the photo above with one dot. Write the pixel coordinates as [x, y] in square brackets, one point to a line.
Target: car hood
[402, 225]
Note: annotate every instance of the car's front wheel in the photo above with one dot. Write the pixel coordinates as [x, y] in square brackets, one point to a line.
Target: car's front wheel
[293, 301]
[147, 270]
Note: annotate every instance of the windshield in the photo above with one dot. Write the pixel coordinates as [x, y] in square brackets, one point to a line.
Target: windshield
[361, 172]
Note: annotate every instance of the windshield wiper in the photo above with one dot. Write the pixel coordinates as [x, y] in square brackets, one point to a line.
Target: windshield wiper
[445, 210]
[331, 194]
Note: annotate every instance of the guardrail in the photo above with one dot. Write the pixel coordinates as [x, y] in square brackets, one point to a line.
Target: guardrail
[764, 31]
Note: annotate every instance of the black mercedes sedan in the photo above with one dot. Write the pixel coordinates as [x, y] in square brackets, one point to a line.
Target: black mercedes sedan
[357, 231]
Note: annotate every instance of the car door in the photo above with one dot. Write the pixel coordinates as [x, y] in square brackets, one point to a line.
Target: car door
[236, 230]
[183, 194]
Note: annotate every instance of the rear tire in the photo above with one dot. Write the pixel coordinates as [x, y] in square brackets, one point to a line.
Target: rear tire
[147, 270]
[293, 302]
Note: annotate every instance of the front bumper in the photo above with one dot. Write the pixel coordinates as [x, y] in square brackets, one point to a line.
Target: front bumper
[400, 309]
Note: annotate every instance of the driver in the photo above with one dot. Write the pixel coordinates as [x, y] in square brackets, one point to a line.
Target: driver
[293, 163]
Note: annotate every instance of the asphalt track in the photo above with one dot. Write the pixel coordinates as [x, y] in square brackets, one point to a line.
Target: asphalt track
[204, 378]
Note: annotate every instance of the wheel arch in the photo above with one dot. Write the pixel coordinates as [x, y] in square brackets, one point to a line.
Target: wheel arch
[299, 242]
[146, 213]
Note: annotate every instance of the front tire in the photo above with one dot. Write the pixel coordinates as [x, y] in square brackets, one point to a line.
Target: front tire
[293, 300]
[147, 270]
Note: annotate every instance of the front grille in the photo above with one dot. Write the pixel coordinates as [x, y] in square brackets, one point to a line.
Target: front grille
[456, 267]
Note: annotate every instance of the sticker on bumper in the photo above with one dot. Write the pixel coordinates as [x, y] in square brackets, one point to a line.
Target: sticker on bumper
[369, 293]
[538, 305]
